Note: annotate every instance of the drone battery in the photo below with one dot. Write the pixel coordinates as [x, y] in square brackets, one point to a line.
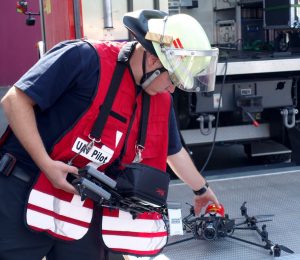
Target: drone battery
[144, 184]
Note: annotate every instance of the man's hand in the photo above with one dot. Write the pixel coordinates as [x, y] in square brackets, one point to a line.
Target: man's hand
[19, 110]
[57, 172]
[184, 168]
[201, 202]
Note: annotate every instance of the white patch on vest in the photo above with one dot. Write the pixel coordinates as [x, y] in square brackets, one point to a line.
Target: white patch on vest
[126, 222]
[97, 155]
[143, 241]
[76, 200]
[118, 137]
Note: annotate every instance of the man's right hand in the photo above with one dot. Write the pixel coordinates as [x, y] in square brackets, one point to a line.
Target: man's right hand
[19, 110]
[57, 171]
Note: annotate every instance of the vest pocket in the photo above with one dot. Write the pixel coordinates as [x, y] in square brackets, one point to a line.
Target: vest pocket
[144, 236]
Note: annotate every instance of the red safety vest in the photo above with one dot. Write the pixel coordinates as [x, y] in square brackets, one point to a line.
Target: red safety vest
[64, 215]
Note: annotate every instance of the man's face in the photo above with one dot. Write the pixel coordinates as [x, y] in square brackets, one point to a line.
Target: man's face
[162, 83]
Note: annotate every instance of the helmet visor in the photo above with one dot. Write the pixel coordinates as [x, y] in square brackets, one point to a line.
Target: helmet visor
[192, 70]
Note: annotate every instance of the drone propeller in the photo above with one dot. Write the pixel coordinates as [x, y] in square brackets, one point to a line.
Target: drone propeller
[285, 249]
[251, 227]
[276, 249]
[265, 216]
[264, 220]
[258, 216]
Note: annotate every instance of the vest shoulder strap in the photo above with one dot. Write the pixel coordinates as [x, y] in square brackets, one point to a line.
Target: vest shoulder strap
[108, 102]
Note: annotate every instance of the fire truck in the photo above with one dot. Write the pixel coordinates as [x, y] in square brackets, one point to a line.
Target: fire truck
[255, 102]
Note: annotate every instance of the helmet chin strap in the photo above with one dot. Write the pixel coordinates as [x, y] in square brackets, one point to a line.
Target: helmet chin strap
[147, 78]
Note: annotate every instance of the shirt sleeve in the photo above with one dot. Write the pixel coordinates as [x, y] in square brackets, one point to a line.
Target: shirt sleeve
[55, 73]
[175, 144]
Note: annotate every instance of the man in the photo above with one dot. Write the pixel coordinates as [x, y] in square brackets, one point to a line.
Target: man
[52, 112]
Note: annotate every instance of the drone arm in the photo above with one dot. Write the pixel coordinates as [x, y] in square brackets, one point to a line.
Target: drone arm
[246, 241]
[244, 228]
[180, 241]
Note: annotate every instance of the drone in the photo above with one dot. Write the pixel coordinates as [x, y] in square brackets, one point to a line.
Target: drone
[214, 224]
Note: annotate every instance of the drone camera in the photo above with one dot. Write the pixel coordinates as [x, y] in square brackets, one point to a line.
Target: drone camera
[209, 230]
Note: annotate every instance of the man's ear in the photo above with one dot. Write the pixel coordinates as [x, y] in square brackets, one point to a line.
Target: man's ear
[152, 60]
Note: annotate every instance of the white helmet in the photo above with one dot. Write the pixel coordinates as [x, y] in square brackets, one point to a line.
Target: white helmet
[189, 58]
[182, 46]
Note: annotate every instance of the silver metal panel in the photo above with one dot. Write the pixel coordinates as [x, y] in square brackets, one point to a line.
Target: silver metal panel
[261, 66]
[205, 16]
[228, 133]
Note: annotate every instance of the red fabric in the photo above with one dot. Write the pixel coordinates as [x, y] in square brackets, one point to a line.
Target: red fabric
[135, 234]
[137, 252]
[146, 215]
[5, 135]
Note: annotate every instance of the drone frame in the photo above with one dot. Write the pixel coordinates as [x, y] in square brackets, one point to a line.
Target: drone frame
[228, 226]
